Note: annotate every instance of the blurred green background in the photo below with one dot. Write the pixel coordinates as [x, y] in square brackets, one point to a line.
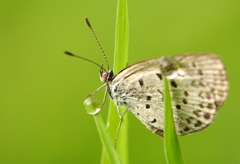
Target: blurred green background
[42, 90]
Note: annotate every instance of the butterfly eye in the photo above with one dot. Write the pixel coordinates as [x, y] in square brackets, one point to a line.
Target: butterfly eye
[103, 76]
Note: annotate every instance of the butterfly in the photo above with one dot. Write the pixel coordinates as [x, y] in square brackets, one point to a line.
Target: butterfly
[198, 87]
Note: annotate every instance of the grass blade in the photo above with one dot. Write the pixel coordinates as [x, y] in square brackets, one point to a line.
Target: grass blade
[172, 147]
[92, 107]
[106, 140]
[120, 62]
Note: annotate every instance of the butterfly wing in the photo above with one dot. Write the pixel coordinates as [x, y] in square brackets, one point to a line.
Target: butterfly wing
[199, 92]
[139, 88]
[196, 94]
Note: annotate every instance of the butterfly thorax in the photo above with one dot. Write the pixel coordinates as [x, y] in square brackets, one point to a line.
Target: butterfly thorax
[169, 67]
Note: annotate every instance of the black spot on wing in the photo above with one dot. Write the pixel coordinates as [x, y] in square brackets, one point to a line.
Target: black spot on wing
[153, 121]
[147, 106]
[141, 82]
[159, 76]
[206, 116]
[184, 101]
[186, 129]
[200, 72]
[174, 84]
[149, 98]
[198, 124]
[178, 106]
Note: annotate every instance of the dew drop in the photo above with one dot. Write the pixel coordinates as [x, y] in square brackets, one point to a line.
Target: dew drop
[92, 106]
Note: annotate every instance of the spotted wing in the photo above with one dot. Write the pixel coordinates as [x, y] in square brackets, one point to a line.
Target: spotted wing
[139, 88]
[199, 92]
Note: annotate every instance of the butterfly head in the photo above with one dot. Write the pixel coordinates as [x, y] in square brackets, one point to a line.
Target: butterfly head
[106, 76]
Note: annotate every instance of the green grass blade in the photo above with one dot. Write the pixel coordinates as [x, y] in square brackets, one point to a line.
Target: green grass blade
[92, 107]
[121, 37]
[120, 62]
[172, 147]
[106, 140]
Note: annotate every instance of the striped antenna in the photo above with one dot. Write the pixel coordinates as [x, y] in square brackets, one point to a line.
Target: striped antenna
[71, 54]
[95, 36]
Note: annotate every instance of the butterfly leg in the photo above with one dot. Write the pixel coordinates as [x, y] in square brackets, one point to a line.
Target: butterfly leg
[104, 99]
[99, 109]
[119, 125]
[97, 90]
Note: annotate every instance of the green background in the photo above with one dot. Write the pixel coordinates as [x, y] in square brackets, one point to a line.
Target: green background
[42, 90]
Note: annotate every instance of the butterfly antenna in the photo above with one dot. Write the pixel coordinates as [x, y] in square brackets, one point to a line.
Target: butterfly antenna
[95, 36]
[71, 54]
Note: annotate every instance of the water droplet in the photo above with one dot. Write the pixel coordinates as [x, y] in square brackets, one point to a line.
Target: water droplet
[92, 105]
